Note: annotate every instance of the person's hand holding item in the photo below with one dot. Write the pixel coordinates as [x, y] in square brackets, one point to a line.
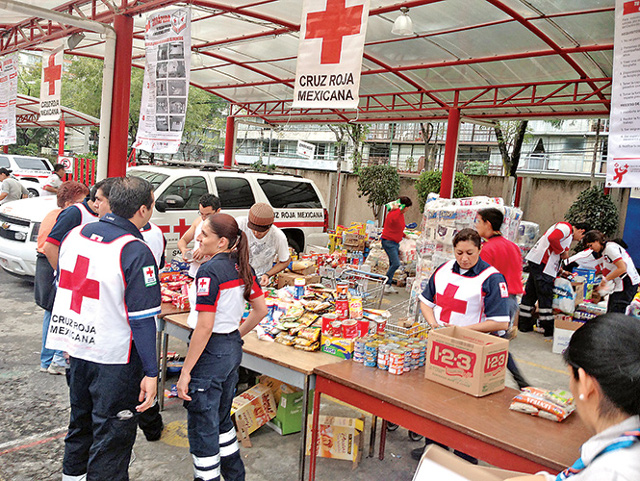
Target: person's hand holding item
[198, 255]
[564, 255]
[264, 280]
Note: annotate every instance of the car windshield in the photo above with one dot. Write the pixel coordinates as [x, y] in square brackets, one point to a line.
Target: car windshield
[155, 178]
[31, 163]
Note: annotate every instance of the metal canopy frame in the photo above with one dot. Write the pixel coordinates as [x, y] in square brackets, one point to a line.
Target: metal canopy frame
[491, 59]
[28, 113]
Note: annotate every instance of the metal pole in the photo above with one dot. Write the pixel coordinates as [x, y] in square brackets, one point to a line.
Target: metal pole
[229, 140]
[450, 152]
[595, 154]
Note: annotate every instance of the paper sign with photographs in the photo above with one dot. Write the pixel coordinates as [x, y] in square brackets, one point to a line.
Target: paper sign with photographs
[166, 81]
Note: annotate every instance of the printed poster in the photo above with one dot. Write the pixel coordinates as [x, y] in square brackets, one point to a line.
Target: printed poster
[166, 81]
[8, 96]
[623, 160]
[51, 86]
[332, 34]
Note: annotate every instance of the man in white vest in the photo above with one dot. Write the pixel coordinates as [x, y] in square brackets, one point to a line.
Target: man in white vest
[103, 316]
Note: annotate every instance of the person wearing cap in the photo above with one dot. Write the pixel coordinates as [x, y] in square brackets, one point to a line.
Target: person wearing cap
[54, 181]
[267, 243]
[11, 189]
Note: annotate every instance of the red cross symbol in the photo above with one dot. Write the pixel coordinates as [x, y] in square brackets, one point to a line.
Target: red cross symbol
[181, 228]
[149, 271]
[52, 73]
[78, 283]
[448, 303]
[203, 283]
[165, 228]
[331, 25]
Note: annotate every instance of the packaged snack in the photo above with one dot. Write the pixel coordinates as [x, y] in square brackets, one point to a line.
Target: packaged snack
[553, 405]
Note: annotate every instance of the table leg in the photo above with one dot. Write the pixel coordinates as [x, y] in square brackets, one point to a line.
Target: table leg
[305, 417]
[163, 379]
[383, 439]
[314, 435]
[372, 436]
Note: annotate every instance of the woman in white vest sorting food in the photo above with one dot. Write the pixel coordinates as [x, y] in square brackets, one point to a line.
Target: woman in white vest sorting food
[210, 371]
[616, 267]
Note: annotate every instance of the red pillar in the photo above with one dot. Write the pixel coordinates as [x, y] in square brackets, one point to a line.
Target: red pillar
[118, 137]
[516, 202]
[450, 152]
[5, 149]
[61, 137]
[229, 141]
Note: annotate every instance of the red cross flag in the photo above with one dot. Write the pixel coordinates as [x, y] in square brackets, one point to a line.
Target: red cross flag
[50, 86]
[332, 34]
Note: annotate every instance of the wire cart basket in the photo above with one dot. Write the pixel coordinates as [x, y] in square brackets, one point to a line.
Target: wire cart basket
[402, 312]
[367, 285]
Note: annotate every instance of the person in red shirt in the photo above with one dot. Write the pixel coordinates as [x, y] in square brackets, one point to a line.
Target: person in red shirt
[505, 256]
[392, 234]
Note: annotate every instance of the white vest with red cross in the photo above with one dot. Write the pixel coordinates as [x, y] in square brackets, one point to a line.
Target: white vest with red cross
[542, 254]
[89, 317]
[459, 299]
[86, 215]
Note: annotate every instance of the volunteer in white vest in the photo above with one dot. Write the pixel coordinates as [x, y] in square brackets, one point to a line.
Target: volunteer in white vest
[467, 291]
[150, 421]
[210, 372]
[543, 261]
[616, 266]
[268, 246]
[207, 204]
[54, 181]
[103, 316]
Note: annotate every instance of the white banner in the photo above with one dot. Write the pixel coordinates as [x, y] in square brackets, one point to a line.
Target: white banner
[51, 86]
[166, 81]
[332, 34]
[623, 160]
[305, 149]
[8, 96]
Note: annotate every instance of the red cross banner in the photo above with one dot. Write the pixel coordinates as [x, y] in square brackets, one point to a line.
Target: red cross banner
[165, 89]
[51, 86]
[332, 34]
[8, 96]
[623, 155]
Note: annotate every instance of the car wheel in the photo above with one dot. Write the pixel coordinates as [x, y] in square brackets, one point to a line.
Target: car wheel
[33, 192]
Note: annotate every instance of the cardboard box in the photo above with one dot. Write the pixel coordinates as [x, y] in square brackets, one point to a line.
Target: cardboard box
[253, 408]
[580, 290]
[563, 329]
[338, 438]
[277, 387]
[304, 268]
[438, 464]
[469, 361]
[289, 417]
[288, 279]
[337, 346]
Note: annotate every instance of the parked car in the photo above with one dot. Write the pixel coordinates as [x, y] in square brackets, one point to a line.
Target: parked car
[30, 171]
[297, 203]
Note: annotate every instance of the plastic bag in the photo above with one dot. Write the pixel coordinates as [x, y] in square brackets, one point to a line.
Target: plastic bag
[564, 299]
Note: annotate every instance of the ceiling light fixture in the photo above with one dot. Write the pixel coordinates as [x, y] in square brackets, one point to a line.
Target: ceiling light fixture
[403, 26]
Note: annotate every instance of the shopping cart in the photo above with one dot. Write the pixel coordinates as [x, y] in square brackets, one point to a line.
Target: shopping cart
[400, 314]
[367, 285]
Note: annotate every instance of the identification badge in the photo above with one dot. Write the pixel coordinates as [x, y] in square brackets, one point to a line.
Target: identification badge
[203, 286]
[504, 292]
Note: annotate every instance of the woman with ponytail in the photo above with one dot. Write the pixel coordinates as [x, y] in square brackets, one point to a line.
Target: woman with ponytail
[210, 372]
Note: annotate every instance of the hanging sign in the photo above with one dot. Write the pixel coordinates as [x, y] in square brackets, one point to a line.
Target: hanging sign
[623, 159]
[332, 34]
[8, 96]
[51, 86]
[166, 81]
[305, 149]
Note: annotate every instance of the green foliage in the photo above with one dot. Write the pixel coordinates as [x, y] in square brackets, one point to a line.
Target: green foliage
[596, 208]
[410, 163]
[380, 184]
[430, 182]
[259, 166]
[32, 150]
[476, 167]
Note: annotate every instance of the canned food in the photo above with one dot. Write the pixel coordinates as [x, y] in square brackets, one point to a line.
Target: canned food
[336, 328]
[349, 329]
[342, 308]
[355, 308]
[298, 285]
[327, 321]
[342, 290]
[380, 326]
[363, 327]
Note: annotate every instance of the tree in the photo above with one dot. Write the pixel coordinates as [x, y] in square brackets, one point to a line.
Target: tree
[428, 130]
[380, 183]
[510, 136]
[429, 181]
[357, 133]
[596, 208]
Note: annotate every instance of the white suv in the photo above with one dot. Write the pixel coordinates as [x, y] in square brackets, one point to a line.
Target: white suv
[297, 203]
[30, 171]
